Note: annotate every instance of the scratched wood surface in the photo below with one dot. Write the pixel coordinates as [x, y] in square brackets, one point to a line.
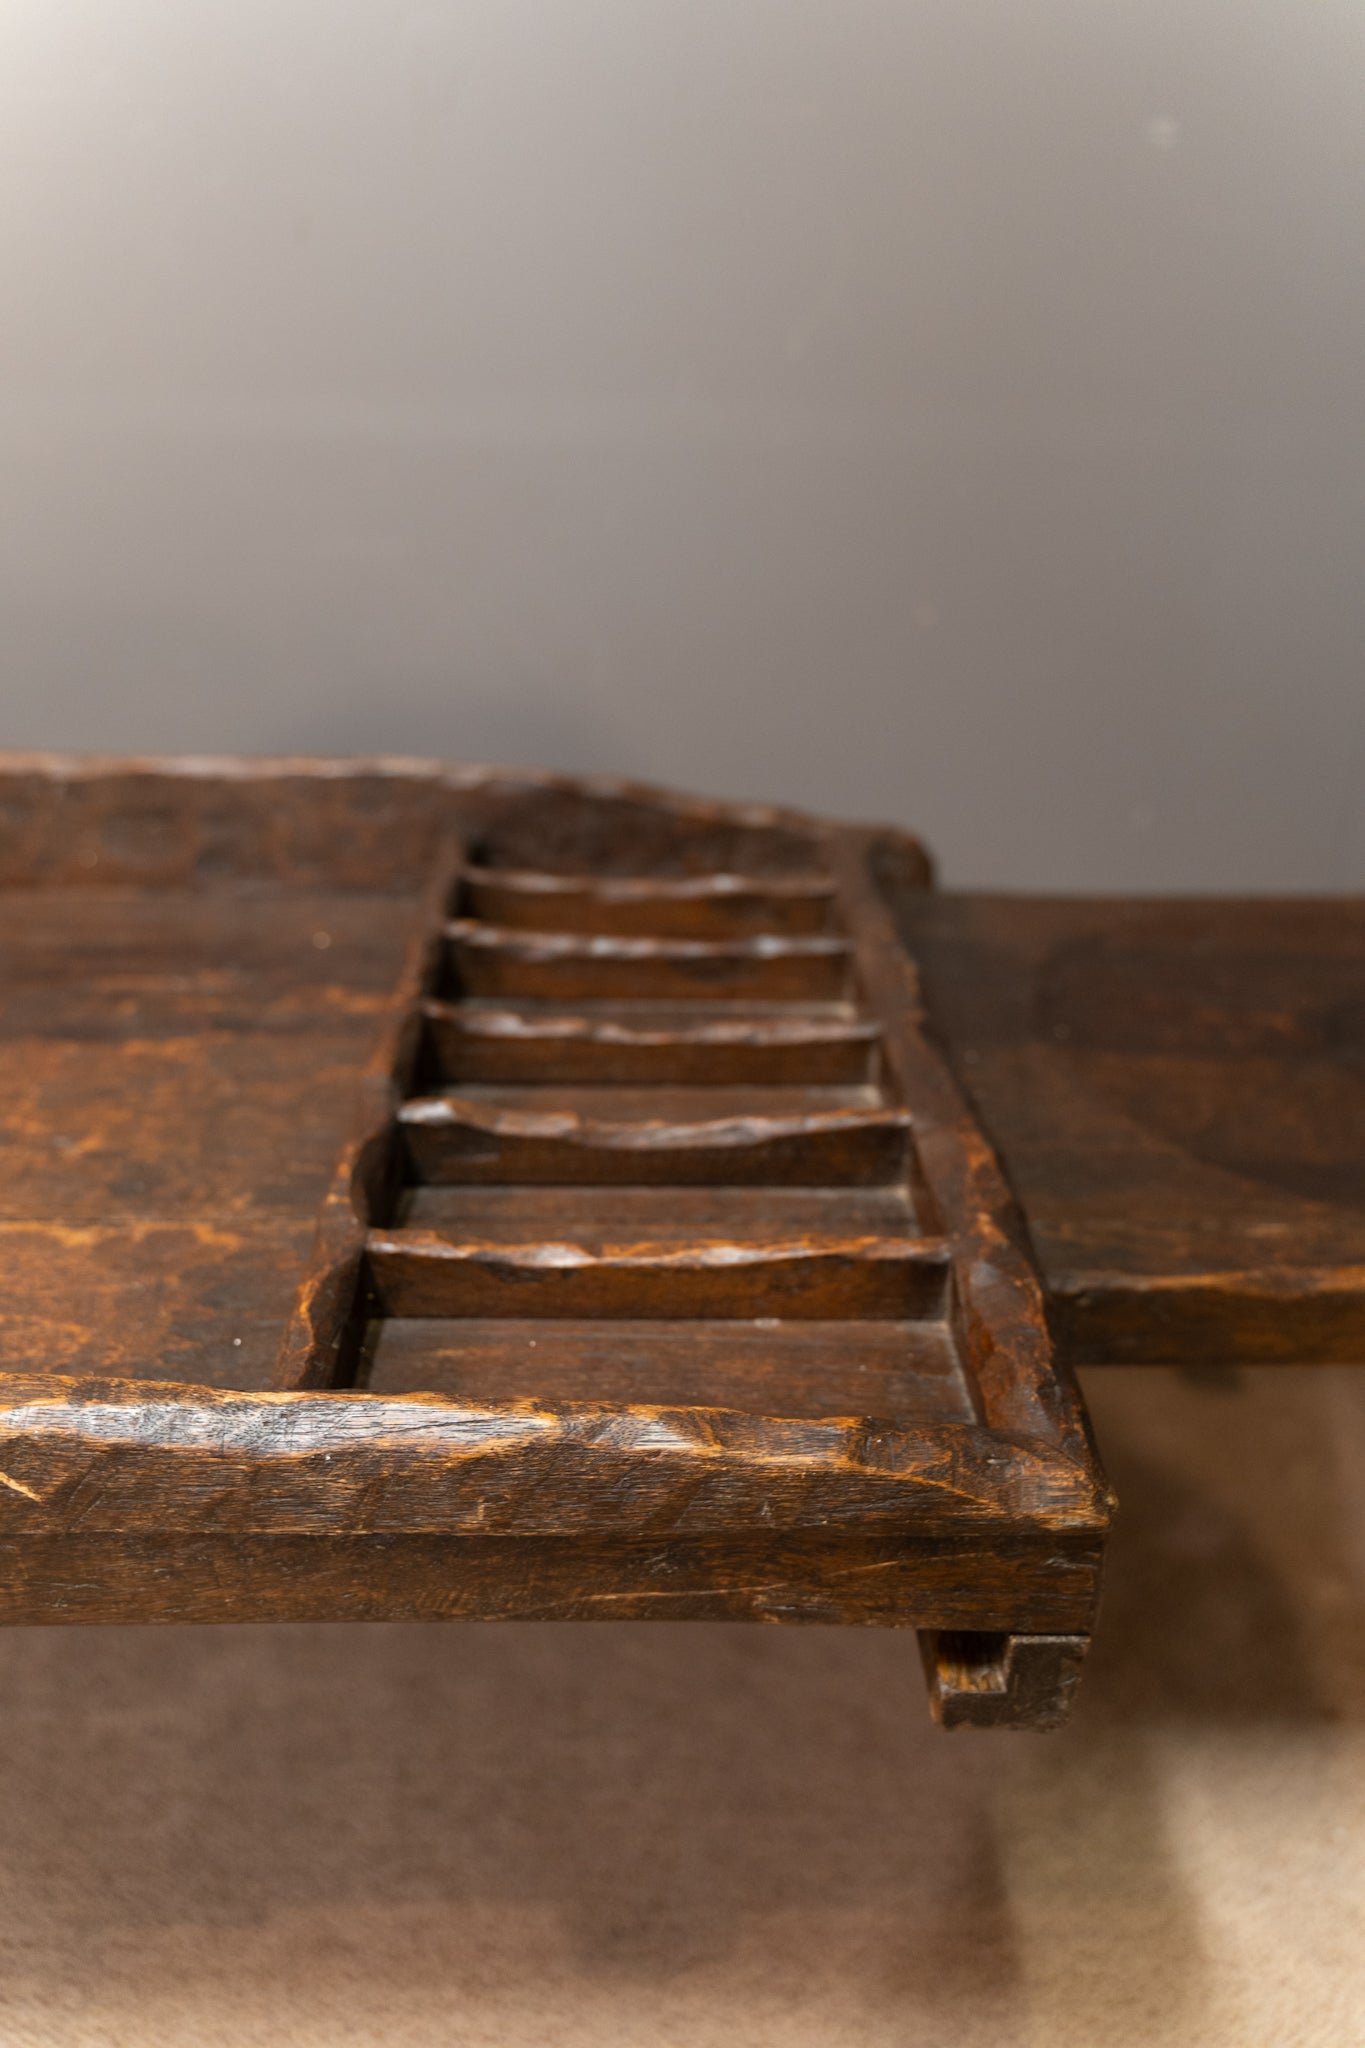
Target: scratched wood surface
[176, 1074]
[434, 1191]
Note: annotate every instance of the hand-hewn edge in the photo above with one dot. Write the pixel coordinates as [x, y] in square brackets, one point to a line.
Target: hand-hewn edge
[537, 884]
[469, 778]
[1025, 1389]
[648, 1135]
[311, 1348]
[119, 1454]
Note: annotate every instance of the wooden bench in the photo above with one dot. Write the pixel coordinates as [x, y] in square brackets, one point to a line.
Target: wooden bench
[440, 1193]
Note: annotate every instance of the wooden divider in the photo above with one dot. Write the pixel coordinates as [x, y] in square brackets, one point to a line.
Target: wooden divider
[420, 1273]
[493, 960]
[695, 907]
[451, 1138]
[644, 1042]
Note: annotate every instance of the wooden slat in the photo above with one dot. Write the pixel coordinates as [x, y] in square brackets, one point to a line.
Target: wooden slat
[607, 1215]
[480, 1043]
[905, 1370]
[491, 960]
[453, 1138]
[692, 907]
[574, 1496]
[419, 1273]
[619, 1103]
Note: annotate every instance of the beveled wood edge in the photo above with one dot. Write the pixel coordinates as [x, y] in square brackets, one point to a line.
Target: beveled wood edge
[505, 1020]
[363, 1177]
[702, 1254]
[643, 1134]
[435, 1272]
[109, 1455]
[720, 886]
[460, 777]
[458, 1142]
[524, 942]
[1258, 1316]
[1000, 1309]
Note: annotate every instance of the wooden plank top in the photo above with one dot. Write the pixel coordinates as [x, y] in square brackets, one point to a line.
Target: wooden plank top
[1176, 1088]
[177, 1067]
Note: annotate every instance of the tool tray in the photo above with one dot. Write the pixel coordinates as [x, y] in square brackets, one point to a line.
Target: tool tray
[442, 1193]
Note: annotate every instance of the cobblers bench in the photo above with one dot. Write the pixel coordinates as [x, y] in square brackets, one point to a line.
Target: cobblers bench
[439, 1193]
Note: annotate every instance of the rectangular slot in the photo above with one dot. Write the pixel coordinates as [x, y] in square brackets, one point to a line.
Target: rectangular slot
[689, 907]
[657, 1215]
[491, 960]
[485, 1042]
[420, 1273]
[906, 1371]
[618, 1103]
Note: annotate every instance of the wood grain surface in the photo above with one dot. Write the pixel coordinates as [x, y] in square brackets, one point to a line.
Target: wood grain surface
[177, 1069]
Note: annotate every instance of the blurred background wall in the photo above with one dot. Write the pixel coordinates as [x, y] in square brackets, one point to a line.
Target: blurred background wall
[947, 412]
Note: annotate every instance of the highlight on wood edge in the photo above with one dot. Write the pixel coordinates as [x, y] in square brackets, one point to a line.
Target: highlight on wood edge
[709, 906]
[451, 1139]
[511, 1043]
[498, 960]
[424, 1273]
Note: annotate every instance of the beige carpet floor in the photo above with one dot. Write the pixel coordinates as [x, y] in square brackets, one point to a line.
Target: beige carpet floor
[724, 1836]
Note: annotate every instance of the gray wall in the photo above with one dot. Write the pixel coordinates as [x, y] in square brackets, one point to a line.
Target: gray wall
[951, 410]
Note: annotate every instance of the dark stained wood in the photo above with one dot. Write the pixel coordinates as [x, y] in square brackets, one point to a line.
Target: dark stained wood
[462, 1138]
[852, 1575]
[420, 1273]
[155, 1300]
[607, 829]
[359, 1463]
[70, 821]
[980, 1680]
[999, 1315]
[824, 1045]
[608, 1183]
[176, 1073]
[663, 1215]
[696, 907]
[659, 1267]
[496, 960]
[623, 1104]
[1178, 1091]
